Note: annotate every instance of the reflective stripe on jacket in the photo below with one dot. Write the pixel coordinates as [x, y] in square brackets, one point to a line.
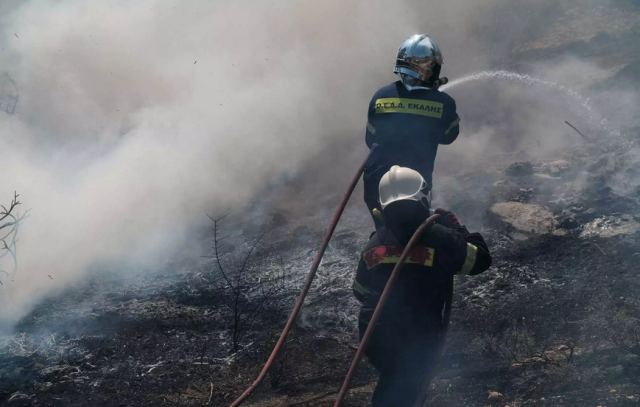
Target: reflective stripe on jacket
[442, 253]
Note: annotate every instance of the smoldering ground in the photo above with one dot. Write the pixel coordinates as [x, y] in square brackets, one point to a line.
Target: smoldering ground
[136, 119]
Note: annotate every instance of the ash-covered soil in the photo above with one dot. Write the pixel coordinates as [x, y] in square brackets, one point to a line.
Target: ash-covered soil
[554, 322]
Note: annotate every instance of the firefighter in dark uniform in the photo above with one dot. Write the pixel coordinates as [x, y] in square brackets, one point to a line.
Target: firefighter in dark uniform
[408, 337]
[408, 119]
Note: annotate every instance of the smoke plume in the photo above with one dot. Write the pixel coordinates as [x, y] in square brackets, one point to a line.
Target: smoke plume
[135, 119]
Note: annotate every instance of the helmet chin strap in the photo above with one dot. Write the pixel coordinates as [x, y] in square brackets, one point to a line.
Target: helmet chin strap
[416, 87]
[415, 84]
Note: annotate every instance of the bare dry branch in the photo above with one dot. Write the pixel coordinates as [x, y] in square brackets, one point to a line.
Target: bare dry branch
[210, 393]
[249, 293]
[576, 130]
[7, 211]
[9, 228]
[216, 244]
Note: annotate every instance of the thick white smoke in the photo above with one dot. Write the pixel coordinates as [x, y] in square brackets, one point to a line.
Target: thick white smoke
[137, 118]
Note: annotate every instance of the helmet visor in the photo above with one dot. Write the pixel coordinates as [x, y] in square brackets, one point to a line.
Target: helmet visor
[404, 191]
[421, 67]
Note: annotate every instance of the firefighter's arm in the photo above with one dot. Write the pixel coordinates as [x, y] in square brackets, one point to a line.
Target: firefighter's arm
[478, 258]
[361, 292]
[451, 123]
[370, 131]
[468, 252]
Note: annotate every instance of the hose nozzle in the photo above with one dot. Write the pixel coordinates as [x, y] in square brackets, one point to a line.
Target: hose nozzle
[442, 81]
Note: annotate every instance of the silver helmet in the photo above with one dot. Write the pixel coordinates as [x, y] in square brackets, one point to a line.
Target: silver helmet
[419, 61]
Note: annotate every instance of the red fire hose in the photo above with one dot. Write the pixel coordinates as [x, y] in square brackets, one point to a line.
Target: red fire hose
[376, 313]
[305, 289]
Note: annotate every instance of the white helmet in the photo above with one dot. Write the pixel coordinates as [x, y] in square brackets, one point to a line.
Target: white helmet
[403, 184]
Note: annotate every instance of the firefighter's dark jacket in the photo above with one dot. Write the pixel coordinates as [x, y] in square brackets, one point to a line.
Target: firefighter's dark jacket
[406, 127]
[441, 253]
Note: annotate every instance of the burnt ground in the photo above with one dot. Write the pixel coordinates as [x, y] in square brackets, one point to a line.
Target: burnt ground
[554, 322]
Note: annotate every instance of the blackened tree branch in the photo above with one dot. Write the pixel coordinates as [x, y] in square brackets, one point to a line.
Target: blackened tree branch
[248, 293]
[9, 224]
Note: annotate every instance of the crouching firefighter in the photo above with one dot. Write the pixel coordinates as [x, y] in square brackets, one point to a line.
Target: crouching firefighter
[407, 340]
[408, 119]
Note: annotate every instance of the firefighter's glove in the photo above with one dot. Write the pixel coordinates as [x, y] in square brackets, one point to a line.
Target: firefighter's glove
[450, 220]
